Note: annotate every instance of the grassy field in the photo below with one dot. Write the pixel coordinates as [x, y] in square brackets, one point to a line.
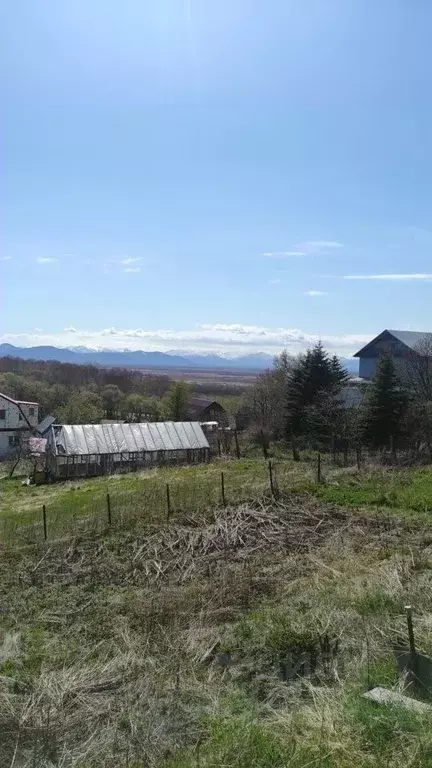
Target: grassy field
[76, 506]
[169, 643]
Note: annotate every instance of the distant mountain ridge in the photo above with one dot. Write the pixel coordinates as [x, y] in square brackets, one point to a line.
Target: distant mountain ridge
[136, 359]
[258, 361]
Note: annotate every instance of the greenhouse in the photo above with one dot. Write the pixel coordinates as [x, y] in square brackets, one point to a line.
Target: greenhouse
[86, 450]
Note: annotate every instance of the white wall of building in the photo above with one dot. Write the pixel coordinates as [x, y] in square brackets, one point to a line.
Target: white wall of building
[16, 418]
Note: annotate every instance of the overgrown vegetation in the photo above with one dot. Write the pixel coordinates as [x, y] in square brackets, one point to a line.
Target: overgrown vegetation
[235, 626]
[85, 394]
[239, 636]
[310, 403]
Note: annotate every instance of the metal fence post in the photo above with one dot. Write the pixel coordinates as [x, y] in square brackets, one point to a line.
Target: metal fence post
[223, 489]
[271, 478]
[44, 521]
[237, 444]
[408, 611]
[358, 455]
[295, 453]
[263, 444]
[319, 468]
[168, 501]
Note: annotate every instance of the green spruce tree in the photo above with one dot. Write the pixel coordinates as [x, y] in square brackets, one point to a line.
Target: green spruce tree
[315, 377]
[384, 407]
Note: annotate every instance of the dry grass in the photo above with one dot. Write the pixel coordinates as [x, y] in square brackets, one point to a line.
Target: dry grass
[162, 645]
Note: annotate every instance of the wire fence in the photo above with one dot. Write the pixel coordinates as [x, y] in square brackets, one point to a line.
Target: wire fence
[163, 497]
[151, 500]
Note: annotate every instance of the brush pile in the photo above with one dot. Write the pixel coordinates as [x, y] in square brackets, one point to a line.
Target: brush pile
[295, 526]
[197, 545]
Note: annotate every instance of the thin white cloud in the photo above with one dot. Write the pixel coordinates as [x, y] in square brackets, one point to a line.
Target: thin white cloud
[407, 276]
[315, 293]
[129, 261]
[308, 247]
[282, 254]
[234, 339]
[46, 260]
[275, 281]
[5, 258]
[132, 269]
[70, 329]
[319, 246]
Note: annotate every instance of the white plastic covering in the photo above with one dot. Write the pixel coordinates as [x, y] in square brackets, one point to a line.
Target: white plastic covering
[88, 439]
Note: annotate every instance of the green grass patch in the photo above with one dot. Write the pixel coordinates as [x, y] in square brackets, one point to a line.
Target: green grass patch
[241, 742]
[75, 506]
[391, 733]
[399, 490]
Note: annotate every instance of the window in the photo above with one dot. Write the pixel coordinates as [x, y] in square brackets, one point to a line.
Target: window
[2, 414]
[20, 416]
[13, 440]
[31, 411]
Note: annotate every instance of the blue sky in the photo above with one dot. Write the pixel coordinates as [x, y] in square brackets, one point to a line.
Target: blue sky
[184, 174]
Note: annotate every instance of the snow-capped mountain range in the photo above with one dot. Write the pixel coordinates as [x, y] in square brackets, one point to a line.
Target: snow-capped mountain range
[259, 361]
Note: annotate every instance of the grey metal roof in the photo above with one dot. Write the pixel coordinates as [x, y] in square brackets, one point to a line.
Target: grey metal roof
[410, 338]
[90, 439]
[45, 424]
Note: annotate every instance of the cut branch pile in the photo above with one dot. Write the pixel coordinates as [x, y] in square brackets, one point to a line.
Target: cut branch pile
[294, 526]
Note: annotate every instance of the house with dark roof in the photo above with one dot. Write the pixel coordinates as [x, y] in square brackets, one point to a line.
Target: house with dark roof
[203, 409]
[401, 345]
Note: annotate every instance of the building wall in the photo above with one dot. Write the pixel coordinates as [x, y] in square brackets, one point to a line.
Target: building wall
[5, 448]
[12, 423]
[367, 367]
[215, 413]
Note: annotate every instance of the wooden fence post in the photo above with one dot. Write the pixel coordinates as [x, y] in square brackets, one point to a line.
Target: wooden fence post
[346, 448]
[108, 508]
[319, 468]
[44, 521]
[168, 501]
[223, 489]
[237, 444]
[219, 447]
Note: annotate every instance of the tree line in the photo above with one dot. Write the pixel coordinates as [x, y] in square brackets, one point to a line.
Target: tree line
[302, 401]
[308, 402]
[86, 394]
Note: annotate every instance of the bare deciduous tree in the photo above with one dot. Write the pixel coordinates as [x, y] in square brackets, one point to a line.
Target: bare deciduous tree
[20, 451]
[419, 370]
[418, 379]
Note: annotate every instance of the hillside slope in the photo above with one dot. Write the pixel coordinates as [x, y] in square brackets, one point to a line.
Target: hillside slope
[172, 644]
